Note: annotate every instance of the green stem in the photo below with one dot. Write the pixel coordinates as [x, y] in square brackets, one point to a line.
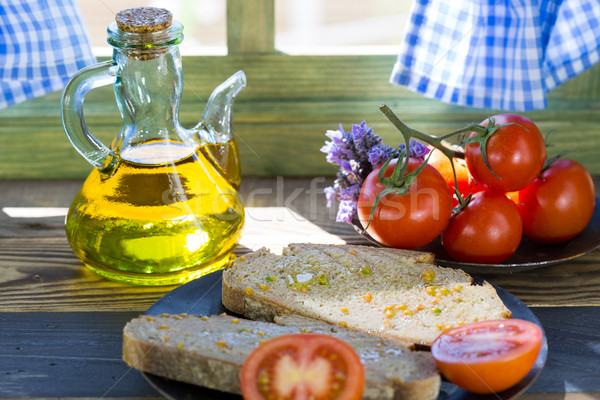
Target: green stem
[467, 129]
[408, 132]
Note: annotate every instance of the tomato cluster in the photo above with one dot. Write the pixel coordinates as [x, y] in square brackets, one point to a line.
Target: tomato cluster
[504, 188]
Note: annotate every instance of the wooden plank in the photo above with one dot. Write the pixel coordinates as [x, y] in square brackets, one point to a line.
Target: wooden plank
[314, 77]
[288, 147]
[281, 117]
[250, 26]
[266, 150]
[79, 357]
[560, 396]
[39, 272]
[43, 274]
[571, 283]
[90, 343]
[571, 366]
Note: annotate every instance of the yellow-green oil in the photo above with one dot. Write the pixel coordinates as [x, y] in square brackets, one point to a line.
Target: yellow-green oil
[226, 156]
[156, 224]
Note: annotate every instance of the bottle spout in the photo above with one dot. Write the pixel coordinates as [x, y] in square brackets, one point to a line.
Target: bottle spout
[218, 112]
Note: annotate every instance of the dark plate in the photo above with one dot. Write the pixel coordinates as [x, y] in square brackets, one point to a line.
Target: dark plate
[203, 296]
[529, 255]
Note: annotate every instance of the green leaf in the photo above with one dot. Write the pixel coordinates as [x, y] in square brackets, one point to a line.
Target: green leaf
[378, 198]
[482, 137]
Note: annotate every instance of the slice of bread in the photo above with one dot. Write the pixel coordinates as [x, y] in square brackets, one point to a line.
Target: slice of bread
[397, 294]
[210, 351]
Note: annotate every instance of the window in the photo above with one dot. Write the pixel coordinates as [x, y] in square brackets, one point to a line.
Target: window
[333, 65]
[203, 20]
[301, 26]
[339, 26]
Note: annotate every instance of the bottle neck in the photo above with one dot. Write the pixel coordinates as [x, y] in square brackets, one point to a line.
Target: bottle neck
[148, 91]
[148, 87]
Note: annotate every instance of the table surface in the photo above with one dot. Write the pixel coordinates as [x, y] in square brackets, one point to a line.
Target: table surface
[61, 325]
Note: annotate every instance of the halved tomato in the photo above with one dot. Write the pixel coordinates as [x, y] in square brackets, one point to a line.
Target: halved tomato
[488, 356]
[303, 366]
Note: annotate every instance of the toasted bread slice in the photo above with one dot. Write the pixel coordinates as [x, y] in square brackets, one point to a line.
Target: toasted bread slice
[396, 294]
[210, 351]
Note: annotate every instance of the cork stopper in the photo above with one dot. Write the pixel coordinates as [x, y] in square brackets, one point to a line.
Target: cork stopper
[144, 19]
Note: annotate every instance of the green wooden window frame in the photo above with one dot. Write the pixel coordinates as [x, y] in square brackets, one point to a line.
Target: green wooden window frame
[290, 102]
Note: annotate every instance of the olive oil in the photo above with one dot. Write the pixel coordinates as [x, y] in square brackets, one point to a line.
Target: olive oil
[161, 205]
[226, 157]
[153, 222]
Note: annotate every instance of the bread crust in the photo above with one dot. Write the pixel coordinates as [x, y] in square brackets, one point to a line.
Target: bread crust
[181, 366]
[185, 349]
[415, 324]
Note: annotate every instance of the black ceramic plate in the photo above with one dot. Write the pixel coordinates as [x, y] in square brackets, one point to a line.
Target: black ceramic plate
[203, 296]
[529, 255]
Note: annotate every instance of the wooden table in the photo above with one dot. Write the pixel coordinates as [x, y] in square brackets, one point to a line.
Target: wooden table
[60, 325]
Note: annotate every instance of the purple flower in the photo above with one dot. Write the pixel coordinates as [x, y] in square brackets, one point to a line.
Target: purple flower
[337, 149]
[349, 151]
[379, 154]
[349, 193]
[337, 137]
[361, 132]
[346, 211]
[417, 149]
[330, 195]
[356, 154]
[364, 138]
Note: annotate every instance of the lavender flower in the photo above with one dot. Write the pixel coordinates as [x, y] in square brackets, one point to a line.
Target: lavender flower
[349, 151]
[364, 138]
[346, 211]
[417, 149]
[356, 154]
[330, 195]
[348, 203]
[380, 153]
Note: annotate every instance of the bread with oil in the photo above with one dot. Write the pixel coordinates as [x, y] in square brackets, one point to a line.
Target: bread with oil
[210, 351]
[391, 293]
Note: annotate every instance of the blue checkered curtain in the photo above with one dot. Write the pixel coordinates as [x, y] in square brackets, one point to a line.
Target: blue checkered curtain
[498, 54]
[42, 43]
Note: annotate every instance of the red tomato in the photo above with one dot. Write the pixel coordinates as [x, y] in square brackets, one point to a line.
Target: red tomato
[466, 184]
[516, 154]
[488, 356]
[559, 204]
[303, 366]
[411, 220]
[488, 230]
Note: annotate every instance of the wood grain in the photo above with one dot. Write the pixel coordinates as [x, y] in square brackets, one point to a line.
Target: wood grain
[250, 26]
[560, 396]
[80, 356]
[72, 355]
[60, 324]
[281, 118]
[39, 272]
[43, 274]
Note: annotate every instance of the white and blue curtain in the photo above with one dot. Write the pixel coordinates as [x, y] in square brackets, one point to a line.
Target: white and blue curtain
[42, 43]
[497, 54]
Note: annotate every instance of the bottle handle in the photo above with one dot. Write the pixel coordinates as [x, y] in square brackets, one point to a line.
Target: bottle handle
[86, 79]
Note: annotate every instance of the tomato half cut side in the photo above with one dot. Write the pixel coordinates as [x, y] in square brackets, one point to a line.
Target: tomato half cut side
[303, 366]
[488, 356]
